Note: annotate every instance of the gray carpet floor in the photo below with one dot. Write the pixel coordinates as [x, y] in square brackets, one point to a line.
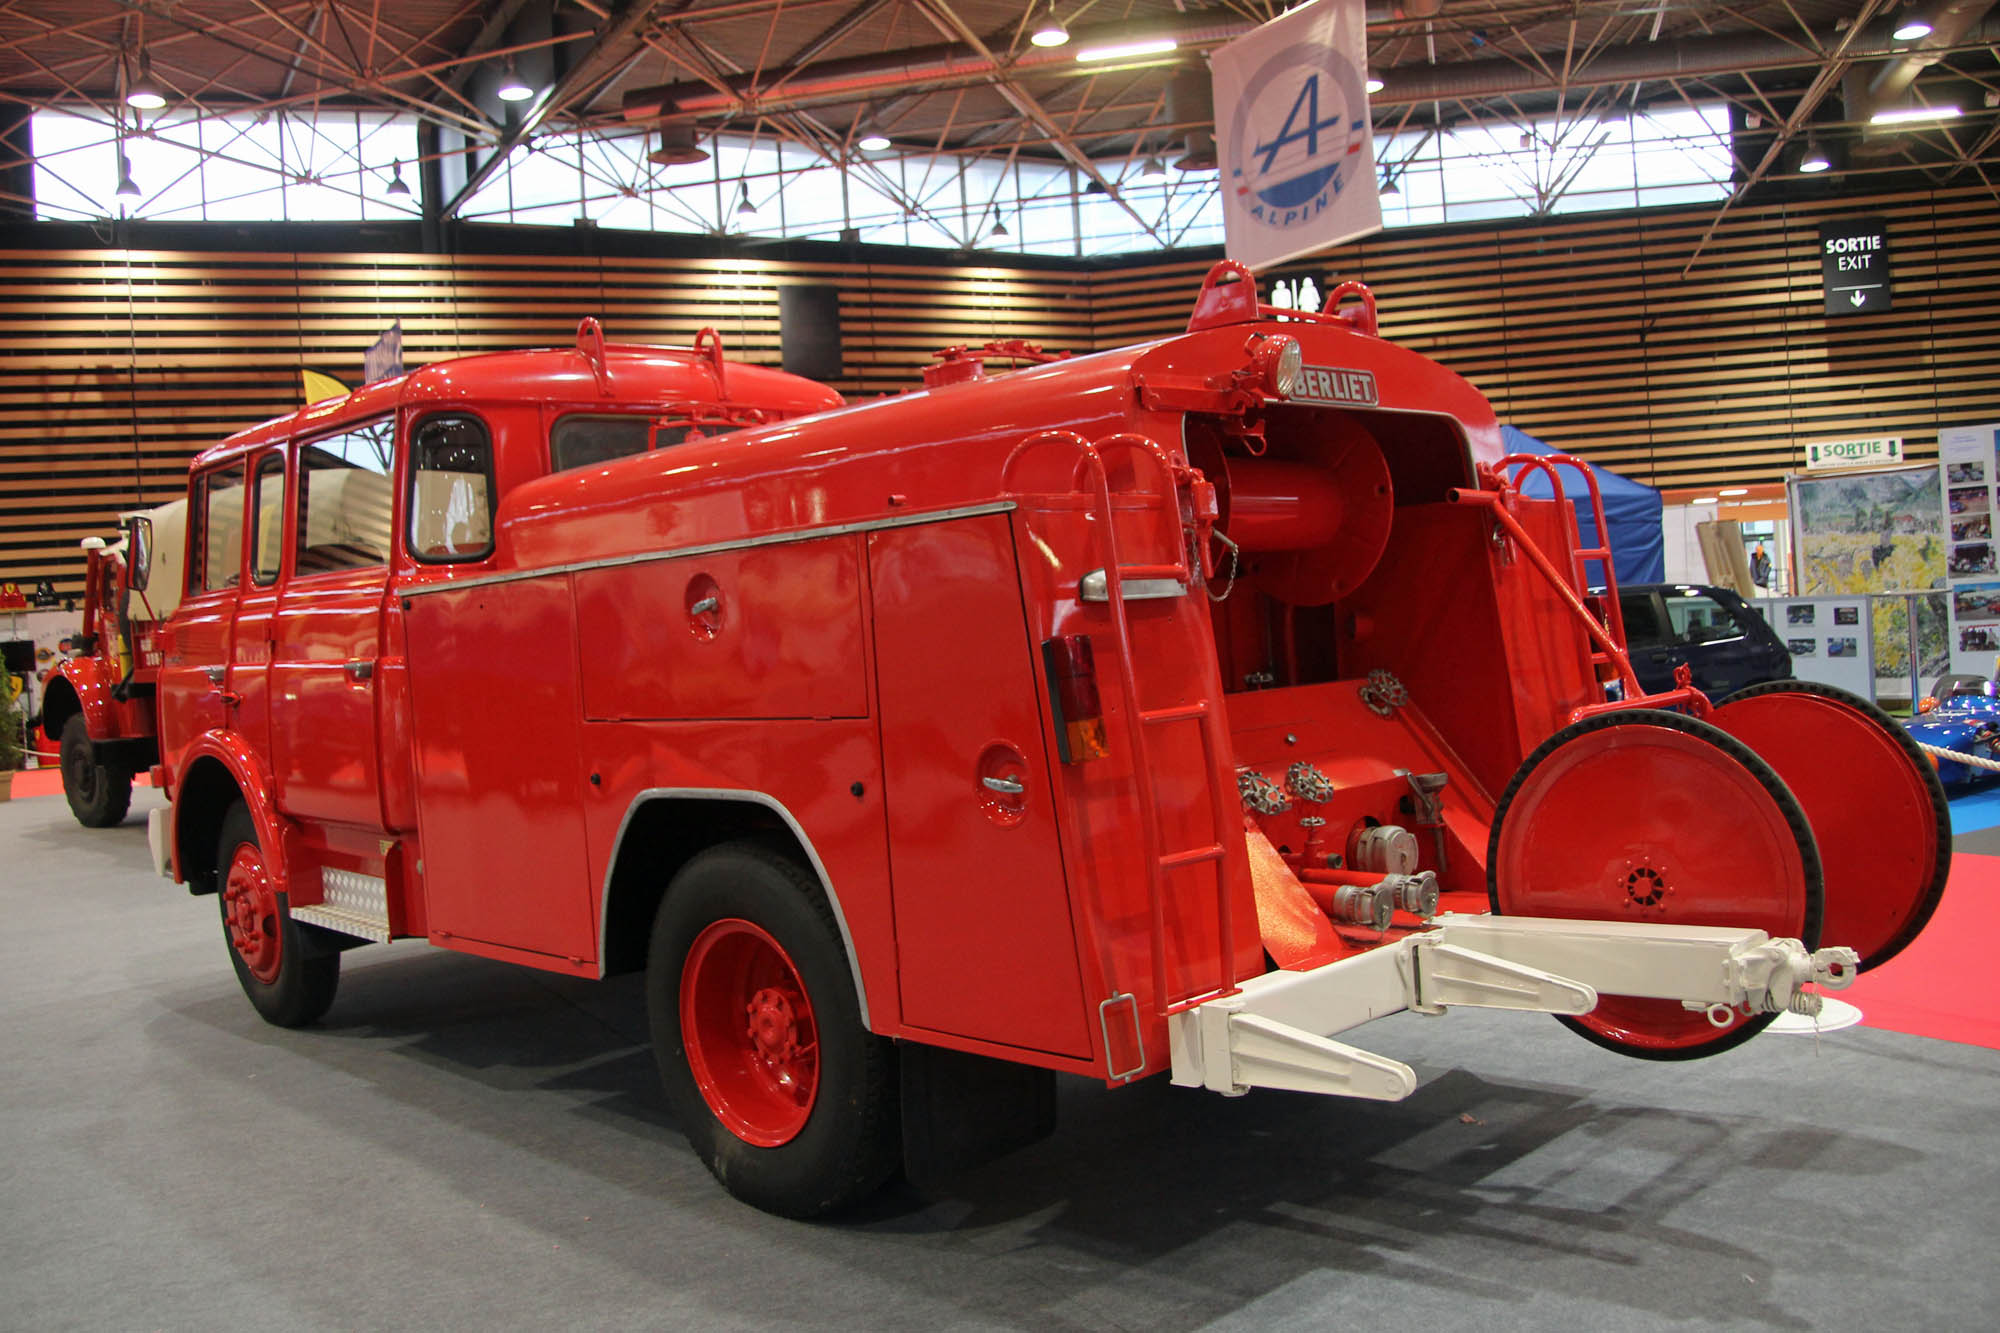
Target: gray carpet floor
[465, 1144]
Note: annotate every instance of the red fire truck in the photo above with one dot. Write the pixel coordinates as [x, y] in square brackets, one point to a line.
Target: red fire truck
[1173, 709]
[97, 704]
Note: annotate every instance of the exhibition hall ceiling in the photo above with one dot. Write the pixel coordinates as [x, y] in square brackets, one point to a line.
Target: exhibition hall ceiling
[967, 77]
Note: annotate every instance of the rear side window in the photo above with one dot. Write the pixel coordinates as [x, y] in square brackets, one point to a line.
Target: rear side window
[218, 547]
[451, 479]
[345, 499]
[1701, 619]
[587, 441]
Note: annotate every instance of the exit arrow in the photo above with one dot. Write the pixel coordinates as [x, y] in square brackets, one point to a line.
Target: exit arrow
[1858, 297]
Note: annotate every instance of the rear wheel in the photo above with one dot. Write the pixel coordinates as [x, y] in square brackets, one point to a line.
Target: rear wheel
[99, 794]
[1651, 816]
[289, 981]
[785, 1096]
[1842, 756]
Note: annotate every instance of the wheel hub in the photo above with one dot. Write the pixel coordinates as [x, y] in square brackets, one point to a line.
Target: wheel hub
[748, 1028]
[773, 1029]
[1645, 887]
[250, 911]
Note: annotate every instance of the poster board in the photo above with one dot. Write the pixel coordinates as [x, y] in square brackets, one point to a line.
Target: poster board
[1831, 639]
[1970, 458]
[1865, 532]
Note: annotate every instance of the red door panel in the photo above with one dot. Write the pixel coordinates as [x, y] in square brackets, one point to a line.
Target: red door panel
[327, 638]
[985, 944]
[494, 699]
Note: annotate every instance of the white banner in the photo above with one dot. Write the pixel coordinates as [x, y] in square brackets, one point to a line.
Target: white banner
[1293, 133]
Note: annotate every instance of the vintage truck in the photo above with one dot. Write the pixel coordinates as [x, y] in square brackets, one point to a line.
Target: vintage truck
[1171, 709]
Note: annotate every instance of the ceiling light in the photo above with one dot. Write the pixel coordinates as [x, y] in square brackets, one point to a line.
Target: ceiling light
[1389, 188]
[1900, 115]
[1705, 500]
[999, 231]
[396, 183]
[143, 93]
[1128, 50]
[1734, 490]
[513, 88]
[1153, 167]
[1912, 28]
[1095, 187]
[1050, 31]
[872, 141]
[744, 208]
[677, 148]
[1815, 158]
[127, 187]
[1374, 85]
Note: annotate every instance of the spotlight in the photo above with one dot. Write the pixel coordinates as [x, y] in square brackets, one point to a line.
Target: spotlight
[513, 88]
[999, 231]
[143, 92]
[1050, 31]
[1153, 167]
[127, 187]
[872, 140]
[396, 183]
[1913, 28]
[1374, 85]
[1389, 188]
[1815, 158]
[744, 208]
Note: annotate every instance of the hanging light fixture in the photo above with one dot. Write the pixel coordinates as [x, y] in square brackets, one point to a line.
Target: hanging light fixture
[396, 183]
[142, 93]
[1153, 167]
[677, 147]
[1913, 26]
[1374, 85]
[999, 231]
[1389, 188]
[1049, 31]
[744, 208]
[868, 136]
[1815, 158]
[513, 88]
[127, 187]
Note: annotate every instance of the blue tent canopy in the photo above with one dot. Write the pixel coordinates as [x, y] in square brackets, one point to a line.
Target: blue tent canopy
[1631, 511]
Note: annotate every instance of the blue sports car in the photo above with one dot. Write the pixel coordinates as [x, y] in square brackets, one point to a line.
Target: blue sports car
[1962, 714]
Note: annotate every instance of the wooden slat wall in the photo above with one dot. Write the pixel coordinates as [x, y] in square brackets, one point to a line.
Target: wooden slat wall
[116, 367]
[1584, 333]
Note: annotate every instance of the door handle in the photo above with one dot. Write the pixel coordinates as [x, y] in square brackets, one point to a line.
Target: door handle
[1005, 786]
[216, 675]
[361, 670]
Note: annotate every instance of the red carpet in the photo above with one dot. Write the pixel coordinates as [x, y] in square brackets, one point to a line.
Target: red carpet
[48, 782]
[1944, 985]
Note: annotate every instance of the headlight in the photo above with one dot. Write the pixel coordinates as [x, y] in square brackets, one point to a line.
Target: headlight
[1279, 363]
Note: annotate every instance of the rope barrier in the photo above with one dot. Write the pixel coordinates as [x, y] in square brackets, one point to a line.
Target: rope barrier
[1960, 757]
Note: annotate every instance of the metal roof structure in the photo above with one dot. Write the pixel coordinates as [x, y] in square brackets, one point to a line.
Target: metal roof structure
[965, 77]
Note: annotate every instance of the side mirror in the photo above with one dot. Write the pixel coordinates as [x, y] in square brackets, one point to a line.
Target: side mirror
[139, 553]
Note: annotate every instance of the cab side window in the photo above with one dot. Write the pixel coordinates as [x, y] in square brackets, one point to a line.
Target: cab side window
[346, 500]
[1699, 619]
[267, 537]
[451, 483]
[217, 549]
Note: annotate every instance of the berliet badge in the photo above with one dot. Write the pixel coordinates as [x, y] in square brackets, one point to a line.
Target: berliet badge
[1336, 386]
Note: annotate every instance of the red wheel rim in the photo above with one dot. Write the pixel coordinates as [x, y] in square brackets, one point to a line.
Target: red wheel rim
[1635, 821]
[747, 1024]
[1871, 806]
[250, 912]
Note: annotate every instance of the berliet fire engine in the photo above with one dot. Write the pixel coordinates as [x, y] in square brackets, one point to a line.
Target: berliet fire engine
[1172, 709]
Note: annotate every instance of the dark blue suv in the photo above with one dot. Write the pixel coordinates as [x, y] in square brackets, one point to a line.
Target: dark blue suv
[1722, 638]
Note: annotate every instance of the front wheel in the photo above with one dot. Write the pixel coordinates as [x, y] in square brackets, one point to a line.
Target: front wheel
[99, 794]
[786, 1097]
[288, 982]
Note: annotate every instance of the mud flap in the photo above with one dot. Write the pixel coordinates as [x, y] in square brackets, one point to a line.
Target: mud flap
[962, 1111]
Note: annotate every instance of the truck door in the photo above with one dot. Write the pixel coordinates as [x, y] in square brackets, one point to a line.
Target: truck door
[257, 600]
[194, 694]
[326, 637]
[985, 942]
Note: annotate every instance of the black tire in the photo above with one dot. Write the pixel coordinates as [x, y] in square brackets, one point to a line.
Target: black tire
[307, 973]
[850, 1141]
[99, 794]
[1743, 1029]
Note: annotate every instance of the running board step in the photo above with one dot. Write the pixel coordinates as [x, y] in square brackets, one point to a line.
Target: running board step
[354, 904]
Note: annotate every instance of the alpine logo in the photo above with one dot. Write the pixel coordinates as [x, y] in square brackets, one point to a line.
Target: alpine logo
[1336, 386]
[1299, 136]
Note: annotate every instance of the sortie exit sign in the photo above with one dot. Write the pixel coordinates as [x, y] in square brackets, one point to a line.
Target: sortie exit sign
[1854, 265]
